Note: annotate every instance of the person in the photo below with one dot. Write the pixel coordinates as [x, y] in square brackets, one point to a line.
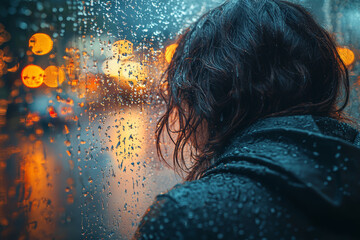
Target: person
[255, 97]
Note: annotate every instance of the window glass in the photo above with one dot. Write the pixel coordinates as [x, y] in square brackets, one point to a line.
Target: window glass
[79, 104]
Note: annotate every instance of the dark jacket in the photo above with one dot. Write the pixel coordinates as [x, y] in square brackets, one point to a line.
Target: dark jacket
[294, 177]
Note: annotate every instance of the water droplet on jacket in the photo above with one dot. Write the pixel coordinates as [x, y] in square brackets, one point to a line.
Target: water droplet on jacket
[90, 180]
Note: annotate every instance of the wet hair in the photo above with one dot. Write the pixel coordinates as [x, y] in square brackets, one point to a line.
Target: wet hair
[240, 62]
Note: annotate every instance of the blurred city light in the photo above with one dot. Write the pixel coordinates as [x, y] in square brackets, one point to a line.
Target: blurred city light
[133, 74]
[40, 43]
[346, 55]
[123, 48]
[170, 51]
[54, 76]
[32, 76]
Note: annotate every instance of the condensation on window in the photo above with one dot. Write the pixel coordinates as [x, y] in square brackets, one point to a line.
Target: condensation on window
[79, 103]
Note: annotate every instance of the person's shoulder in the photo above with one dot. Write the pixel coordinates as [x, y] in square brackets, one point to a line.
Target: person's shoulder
[213, 188]
[161, 220]
[201, 207]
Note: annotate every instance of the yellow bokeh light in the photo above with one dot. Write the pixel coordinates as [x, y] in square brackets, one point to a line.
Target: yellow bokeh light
[129, 73]
[123, 48]
[133, 72]
[32, 76]
[111, 67]
[54, 76]
[346, 55]
[40, 43]
[170, 51]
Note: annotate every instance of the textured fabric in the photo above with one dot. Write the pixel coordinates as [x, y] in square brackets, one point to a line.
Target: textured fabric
[294, 177]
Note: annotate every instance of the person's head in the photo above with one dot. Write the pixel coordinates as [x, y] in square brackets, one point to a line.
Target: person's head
[243, 61]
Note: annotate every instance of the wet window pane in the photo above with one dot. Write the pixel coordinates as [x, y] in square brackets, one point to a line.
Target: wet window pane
[79, 104]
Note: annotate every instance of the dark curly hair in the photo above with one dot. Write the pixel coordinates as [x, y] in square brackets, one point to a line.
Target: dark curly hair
[243, 61]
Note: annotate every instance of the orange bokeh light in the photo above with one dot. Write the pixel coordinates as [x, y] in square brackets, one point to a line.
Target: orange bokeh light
[52, 112]
[169, 52]
[89, 81]
[31, 118]
[32, 76]
[40, 43]
[346, 55]
[66, 110]
[54, 76]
